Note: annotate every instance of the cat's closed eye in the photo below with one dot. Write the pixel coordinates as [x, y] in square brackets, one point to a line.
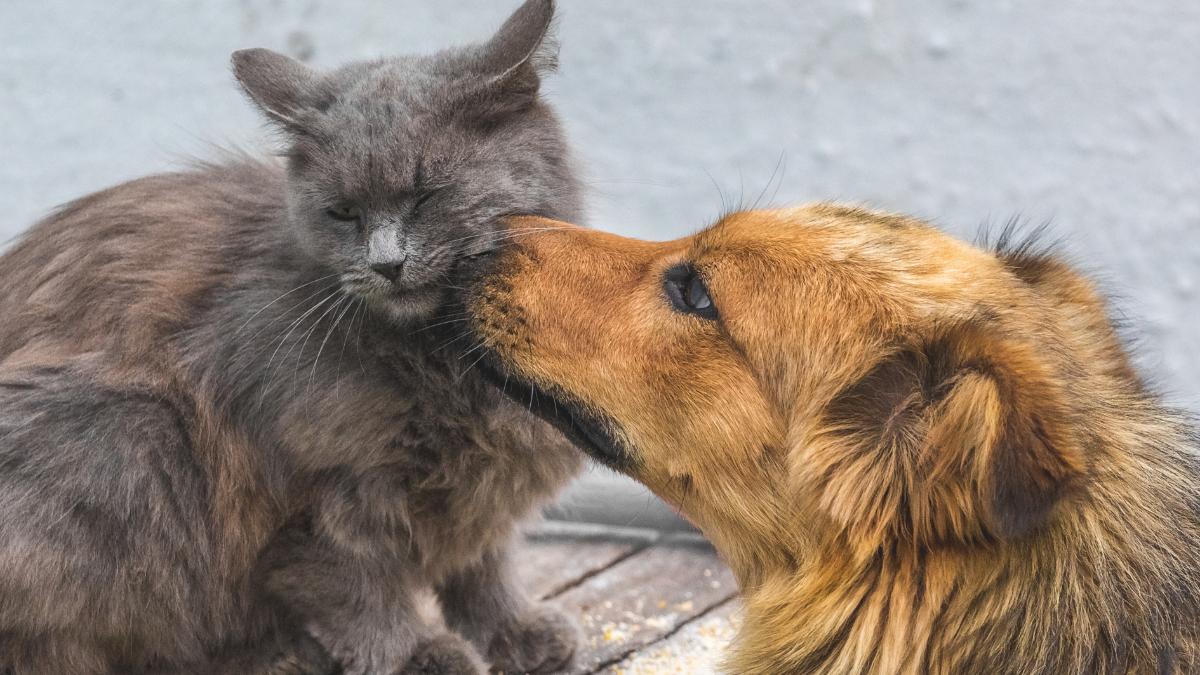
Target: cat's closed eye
[423, 199]
[344, 212]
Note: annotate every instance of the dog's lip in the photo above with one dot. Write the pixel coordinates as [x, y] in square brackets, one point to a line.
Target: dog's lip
[588, 432]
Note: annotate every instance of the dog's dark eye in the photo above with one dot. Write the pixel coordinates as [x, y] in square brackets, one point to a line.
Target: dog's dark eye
[687, 292]
[697, 295]
[344, 212]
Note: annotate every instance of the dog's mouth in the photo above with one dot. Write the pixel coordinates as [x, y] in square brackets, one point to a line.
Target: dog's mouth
[590, 433]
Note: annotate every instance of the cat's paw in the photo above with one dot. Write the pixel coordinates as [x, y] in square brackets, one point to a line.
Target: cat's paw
[543, 640]
[303, 656]
[444, 654]
[283, 653]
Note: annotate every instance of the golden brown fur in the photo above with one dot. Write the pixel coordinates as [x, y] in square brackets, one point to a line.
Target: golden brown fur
[917, 455]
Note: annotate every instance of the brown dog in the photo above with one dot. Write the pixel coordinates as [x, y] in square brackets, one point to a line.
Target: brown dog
[917, 455]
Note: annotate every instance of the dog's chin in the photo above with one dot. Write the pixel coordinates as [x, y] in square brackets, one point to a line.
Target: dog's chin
[589, 432]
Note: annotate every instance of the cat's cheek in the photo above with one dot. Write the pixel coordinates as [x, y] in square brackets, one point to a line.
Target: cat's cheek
[315, 245]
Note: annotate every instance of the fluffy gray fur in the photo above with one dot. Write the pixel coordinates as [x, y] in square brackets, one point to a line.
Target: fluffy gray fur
[232, 437]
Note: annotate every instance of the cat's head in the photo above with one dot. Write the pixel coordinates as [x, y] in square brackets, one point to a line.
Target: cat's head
[399, 169]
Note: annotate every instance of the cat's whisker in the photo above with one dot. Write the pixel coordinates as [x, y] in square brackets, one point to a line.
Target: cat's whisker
[470, 351]
[345, 302]
[308, 335]
[463, 318]
[504, 235]
[337, 387]
[509, 235]
[473, 364]
[287, 331]
[362, 303]
[448, 283]
[292, 327]
[470, 237]
[532, 230]
[264, 307]
[291, 309]
[452, 341]
[478, 247]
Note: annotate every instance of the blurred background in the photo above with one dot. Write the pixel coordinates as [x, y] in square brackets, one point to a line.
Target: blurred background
[1083, 113]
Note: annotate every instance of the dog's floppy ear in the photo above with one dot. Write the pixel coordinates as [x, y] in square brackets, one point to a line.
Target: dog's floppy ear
[964, 437]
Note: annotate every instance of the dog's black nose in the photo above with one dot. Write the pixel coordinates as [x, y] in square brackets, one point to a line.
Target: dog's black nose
[389, 270]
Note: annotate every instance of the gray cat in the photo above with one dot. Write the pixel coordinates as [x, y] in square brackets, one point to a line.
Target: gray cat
[230, 440]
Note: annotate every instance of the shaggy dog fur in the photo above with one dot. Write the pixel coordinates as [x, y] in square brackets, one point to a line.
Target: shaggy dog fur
[918, 456]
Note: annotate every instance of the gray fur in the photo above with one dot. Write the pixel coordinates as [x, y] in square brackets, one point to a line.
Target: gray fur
[229, 445]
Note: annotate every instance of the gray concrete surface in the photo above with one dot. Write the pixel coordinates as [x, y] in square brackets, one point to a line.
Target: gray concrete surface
[1086, 112]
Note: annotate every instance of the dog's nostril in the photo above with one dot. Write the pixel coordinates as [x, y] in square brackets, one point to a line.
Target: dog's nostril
[389, 270]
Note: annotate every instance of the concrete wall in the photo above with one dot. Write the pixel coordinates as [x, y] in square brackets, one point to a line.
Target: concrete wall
[1086, 112]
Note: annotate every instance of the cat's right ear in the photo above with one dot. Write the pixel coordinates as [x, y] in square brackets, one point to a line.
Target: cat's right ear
[515, 59]
[282, 87]
[524, 41]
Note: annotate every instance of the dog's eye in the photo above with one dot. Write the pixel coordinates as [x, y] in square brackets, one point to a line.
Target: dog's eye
[687, 292]
[697, 295]
[344, 212]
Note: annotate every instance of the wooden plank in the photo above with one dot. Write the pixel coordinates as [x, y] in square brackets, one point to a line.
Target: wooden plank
[645, 597]
[696, 648]
[557, 556]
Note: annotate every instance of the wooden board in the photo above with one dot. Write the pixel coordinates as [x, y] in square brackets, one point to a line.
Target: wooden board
[697, 648]
[647, 602]
[557, 557]
[645, 597]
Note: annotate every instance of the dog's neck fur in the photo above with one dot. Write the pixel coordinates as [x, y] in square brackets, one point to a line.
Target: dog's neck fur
[947, 611]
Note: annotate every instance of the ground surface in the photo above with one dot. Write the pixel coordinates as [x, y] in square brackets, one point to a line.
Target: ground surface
[647, 602]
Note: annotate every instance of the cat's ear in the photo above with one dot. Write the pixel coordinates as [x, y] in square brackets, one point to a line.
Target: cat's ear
[516, 57]
[282, 87]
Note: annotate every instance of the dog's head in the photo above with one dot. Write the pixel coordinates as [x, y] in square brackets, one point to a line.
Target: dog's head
[811, 372]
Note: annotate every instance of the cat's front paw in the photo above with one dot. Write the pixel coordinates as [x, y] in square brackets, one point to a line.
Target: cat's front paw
[444, 654]
[543, 640]
[303, 656]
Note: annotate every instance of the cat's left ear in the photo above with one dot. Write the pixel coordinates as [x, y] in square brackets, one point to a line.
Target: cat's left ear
[517, 56]
[282, 87]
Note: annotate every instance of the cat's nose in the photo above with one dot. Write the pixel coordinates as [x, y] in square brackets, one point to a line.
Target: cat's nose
[389, 270]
